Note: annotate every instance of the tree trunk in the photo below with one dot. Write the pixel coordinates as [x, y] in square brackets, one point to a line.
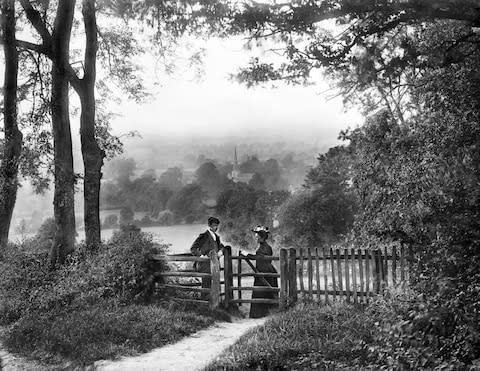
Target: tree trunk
[63, 202]
[91, 152]
[13, 136]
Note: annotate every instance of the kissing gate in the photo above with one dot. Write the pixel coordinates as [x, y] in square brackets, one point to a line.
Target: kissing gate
[316, 274]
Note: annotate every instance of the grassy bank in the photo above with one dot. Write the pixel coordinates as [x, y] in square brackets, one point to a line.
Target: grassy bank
[307, 337]
[99, 305]
[102, 331]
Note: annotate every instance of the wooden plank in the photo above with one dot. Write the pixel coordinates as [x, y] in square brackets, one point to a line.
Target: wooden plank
[367, 273]
[402, 263]
[339, 270]
[191, 284]
[239, 276]
[385, 265]
[292, 276]
[360, 271]
[259, 274]
[183, 288]
[256, 288]
[184, 258]
[215, 284]
[260, 301]
[394, 265]
[283, 278]
[227, 274]
[347, 274]
[310, 273]
[300, 271]
[332, 264]
[325, 277]
[354, 276]
[382, 270]
[376, 272]
[317, 271]
[181, 274]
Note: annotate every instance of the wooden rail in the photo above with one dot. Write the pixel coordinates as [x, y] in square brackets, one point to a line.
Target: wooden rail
[184, 283]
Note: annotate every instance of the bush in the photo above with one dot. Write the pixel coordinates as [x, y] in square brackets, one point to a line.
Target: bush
[120, 269]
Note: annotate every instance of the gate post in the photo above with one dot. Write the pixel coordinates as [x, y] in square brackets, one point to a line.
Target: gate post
[283, 278]
[292, 276]
[227, 274]
[215, 284]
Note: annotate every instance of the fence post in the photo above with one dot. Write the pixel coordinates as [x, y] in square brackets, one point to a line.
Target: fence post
[239, 277]
[215, 285]
[292, 276]
[347, 274]
[283, 278]
[354, 276]
[376, 271]
[227, 274]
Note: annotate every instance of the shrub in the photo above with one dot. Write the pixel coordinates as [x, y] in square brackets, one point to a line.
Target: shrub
[120, 269]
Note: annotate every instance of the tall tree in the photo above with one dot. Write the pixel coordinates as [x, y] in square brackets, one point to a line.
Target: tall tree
[63, 202]
[92, 154]
[13, 137]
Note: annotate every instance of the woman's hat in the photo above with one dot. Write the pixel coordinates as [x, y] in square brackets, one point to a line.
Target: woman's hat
[260, 229]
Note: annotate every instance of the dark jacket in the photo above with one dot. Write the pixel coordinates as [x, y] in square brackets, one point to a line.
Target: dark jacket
[203, 244]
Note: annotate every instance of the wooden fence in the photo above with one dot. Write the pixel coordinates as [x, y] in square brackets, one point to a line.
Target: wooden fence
[319, 274]
[344, 274]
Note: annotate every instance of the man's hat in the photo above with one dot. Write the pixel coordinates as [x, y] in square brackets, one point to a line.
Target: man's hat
[260, 229]
[213, 220]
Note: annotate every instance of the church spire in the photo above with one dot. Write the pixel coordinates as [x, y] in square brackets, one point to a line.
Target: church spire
[235, 161]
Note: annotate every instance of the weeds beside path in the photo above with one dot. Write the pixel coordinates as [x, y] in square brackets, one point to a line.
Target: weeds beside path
[191, 353]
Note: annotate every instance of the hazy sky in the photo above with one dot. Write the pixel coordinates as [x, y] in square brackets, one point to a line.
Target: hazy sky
[216, 106]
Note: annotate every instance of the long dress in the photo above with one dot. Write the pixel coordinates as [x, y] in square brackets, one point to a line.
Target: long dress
[258, 310]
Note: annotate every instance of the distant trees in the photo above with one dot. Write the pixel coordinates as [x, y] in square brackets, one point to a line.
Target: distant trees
[210, 179]
[172, 178]
[187, 204]
[323, 212]
[241, 207]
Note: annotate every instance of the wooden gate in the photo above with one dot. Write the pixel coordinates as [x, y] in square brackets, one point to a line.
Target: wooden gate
[239, 272]
[318, 274]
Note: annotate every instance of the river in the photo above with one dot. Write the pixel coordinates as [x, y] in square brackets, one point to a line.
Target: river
[180, 237]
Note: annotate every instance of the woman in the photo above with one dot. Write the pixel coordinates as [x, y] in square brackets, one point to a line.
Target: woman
[258, 310]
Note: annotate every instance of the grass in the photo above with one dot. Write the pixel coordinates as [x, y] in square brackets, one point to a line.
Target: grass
[307, 337]
[103, 331]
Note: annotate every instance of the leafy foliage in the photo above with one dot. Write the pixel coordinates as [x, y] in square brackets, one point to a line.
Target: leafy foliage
[120, 270]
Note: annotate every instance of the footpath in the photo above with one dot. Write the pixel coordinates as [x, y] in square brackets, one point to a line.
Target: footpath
[189, 354]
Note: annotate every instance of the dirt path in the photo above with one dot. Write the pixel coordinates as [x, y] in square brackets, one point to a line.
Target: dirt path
[189, 354]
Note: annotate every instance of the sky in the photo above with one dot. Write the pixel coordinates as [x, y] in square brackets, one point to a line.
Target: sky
[182, 105]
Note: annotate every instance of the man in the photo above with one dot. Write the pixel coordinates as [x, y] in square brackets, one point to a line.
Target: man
[204, 243]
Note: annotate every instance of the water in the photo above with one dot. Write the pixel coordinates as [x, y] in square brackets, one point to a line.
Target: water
[180, 237]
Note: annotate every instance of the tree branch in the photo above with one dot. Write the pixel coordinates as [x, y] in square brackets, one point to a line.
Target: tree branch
[37, 22]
